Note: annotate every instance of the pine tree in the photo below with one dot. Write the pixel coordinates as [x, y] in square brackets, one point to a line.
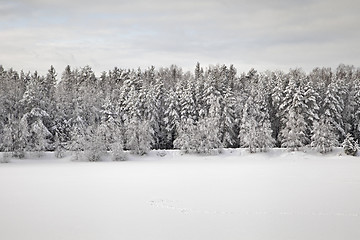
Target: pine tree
[110, 124]
[78, 137]
[277, 88]
[8, 135]
[297, 112]
[323, 138]
[117, 149]
[65, 95]
[186, 101]
[255, 130]
[34, 133]
[294, 133]
[172, 116]
[59, 147]
[21, 138]
[32, 96]
[47, 92]
[186, 136]
[332, 108]
[356, 127]
[227, 119]
[344, 79]
[40, 136]
[138, 136]
[206, 139]
[8, 140]
[350, 146]
[94, 146]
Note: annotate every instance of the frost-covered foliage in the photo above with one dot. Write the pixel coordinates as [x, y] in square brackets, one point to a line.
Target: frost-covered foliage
[324, 137]
[255, 129]
[9, 135]
[351, 147]
[40, 135]
[186, 136]
[168, 108]
[138, 136]
[94, 146]
[199, 138]
[294, 133]
[59, 148]
[206, 138]
[117, 151]
[77, 137]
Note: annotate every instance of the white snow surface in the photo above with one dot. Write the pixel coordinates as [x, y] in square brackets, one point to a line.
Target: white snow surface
[235, 195]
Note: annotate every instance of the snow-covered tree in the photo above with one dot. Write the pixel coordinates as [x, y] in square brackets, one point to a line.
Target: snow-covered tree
[276, 114]
[351, 147]
[227, 119]
[356, 123]
[8, 139]
[78, 137]
[187, 106]
[94, 146]
[255, 129]
[40, 136]
[59, 147]
[294, 133]
[9, 134]
[324, 137]
[298, 111]
[110, 128]
[332, 108]
[186, 136]
[138, 136]
[172, 116]
[117, 150]
[206, 139]
[208, 130]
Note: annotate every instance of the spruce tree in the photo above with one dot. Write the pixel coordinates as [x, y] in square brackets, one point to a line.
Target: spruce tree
[186, 136]
[294, 133]
[255, 130]
[78, 137]
[324, 137]
[94, 146]
[139, 136]
[40, 135]
[350, 146]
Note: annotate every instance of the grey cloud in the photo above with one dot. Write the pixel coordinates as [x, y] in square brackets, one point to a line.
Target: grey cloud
[139, 33]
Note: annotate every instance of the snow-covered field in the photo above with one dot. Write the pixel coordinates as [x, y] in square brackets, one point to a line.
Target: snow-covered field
[236, 195]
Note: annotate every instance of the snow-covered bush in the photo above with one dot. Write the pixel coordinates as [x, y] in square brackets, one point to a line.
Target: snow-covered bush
[350, 146]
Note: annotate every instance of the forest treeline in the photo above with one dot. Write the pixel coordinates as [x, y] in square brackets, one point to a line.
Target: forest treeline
[167, 108]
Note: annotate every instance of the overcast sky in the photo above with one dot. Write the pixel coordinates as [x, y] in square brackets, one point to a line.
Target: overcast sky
[276, 34]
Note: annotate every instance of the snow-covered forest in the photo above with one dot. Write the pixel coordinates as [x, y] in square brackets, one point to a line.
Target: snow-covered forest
[202, 111]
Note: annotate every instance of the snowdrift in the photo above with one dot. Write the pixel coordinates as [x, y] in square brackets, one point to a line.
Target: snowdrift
[168, 195]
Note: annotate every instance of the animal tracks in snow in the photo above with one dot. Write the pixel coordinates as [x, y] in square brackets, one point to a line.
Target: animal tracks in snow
[175, 206]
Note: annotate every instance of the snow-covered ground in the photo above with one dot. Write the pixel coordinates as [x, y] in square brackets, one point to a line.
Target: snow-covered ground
[236, 195]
